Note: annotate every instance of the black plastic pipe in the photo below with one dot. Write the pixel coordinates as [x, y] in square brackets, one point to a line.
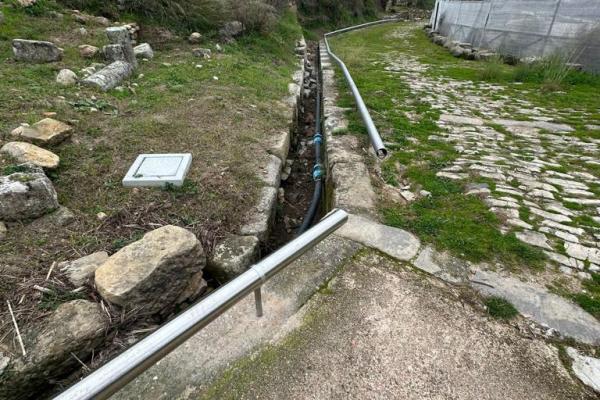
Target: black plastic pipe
[318, 167]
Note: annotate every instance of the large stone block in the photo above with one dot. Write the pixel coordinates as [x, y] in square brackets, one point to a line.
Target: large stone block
[113, 52]
[111, 76]
[120, 35]
[233, 256]
[69, 334]
[152, 273]
[36, 51]
[29, 153]
[45, 132]
[26, 194]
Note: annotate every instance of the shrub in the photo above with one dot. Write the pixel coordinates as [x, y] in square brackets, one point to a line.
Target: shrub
[552, 73]
[255, 15]
[180, 14]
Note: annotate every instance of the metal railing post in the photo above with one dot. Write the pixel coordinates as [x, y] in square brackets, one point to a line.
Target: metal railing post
[258, 302]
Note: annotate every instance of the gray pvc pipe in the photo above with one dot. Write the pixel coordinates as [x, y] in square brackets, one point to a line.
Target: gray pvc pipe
[376, 141]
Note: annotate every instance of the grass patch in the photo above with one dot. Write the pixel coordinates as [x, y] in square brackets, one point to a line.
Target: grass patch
[500, 308]
[464, 225]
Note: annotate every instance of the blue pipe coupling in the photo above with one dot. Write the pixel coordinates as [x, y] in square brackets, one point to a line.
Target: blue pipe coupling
[318, 138]
[318, 172]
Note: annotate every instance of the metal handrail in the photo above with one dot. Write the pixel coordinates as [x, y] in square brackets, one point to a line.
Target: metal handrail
[376, 141]
[115, 374]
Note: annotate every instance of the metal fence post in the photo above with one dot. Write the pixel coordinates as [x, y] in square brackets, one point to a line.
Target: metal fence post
[550, 27]
[487, 18]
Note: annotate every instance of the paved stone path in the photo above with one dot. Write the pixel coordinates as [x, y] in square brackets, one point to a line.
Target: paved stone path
[522, 149]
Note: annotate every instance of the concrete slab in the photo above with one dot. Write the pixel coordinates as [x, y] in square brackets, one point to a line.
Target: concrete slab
[156, 170]
[394, 242]
[381, 331]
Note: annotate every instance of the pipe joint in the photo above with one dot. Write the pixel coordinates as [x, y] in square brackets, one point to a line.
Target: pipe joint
[318, 172]
[318, 138]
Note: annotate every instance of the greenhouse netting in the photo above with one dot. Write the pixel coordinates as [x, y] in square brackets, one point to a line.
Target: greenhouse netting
[525, 28]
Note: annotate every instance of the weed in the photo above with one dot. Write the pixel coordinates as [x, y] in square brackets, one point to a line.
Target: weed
[524, 213]
[500, 308]
[463, 225]
[493, 69]
[13, 169]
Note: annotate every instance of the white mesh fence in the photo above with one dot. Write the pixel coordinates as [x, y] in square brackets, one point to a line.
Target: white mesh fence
[525, 28]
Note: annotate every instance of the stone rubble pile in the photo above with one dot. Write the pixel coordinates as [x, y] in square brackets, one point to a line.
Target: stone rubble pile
[460, 49]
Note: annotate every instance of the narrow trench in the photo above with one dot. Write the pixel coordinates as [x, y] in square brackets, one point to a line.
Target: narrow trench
[297, 184]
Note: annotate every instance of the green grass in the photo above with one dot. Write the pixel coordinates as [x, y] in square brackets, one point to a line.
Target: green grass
[464, 225]
[500, 308]
[461, 224]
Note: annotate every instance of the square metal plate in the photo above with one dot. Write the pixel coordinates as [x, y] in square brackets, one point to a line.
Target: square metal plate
[155, 170]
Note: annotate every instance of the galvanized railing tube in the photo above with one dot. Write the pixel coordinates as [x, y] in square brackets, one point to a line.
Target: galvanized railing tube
[115, 374]
[376, 141]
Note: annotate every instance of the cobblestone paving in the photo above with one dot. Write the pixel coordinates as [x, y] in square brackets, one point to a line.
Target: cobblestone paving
[523, 151]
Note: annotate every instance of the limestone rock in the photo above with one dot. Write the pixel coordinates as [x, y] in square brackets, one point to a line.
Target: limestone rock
[50, 222]
[29, 153]
[202, 53]
[271, 175]
[110, 76]
[144, 50]
[258, 223]
[113, 52]
[120, 35]
[75, 328]
[66, 77]
[26, 195]
[36, 51]
[534, 238]
[80, 270]
[88, 51]
[195, 37]
[45, 132]
[587, 369]
[233, 256]
[442, 265]
[152, 273]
